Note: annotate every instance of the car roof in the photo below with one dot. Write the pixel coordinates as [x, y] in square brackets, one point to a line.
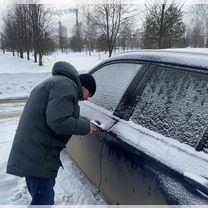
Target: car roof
[194, 58]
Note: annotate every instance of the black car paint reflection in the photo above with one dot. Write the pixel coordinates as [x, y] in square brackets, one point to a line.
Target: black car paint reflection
[150, 169]
[125, 175]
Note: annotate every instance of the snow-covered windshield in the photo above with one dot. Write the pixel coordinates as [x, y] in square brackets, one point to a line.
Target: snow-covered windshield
[112, 81]
[175, 104]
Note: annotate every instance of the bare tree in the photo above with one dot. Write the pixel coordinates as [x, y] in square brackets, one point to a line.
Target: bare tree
[198, 25]
[125, 40]
[89, 29]
[24, 27]
[19, 28]
[163, 26]
[62, 34]
[3, 43]
[14, 30]
[40, 20]
[9, 33]
[137, 39]
[101, 43]
[27, 27]
[111, 20]
[76, 41]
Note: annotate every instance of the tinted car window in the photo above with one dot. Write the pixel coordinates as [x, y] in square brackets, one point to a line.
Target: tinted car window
[175, 104]
[112, 81]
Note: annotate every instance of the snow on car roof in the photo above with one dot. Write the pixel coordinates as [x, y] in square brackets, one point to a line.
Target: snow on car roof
[186, 57]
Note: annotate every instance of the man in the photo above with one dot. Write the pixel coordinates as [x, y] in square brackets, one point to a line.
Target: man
[50, 117]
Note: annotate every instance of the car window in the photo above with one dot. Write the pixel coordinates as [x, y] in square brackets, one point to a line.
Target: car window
[112, 81]
[175, 104]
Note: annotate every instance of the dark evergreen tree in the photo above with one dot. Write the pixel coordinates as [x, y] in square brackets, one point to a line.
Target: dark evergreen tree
[163, 26]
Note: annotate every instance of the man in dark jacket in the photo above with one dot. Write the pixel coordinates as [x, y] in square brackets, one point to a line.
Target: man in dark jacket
[49, 119]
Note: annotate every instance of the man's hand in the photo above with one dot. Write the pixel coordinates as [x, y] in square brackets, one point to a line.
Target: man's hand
[93, 128]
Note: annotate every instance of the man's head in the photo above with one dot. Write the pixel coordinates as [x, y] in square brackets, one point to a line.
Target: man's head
[88, 85]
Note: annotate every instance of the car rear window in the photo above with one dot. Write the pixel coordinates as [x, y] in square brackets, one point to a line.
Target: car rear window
[175, 104]
[112, 81]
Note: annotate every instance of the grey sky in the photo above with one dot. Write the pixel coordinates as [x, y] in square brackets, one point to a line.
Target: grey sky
[69, 19]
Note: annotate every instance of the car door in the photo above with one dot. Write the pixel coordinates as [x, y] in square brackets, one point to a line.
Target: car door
[128, 176]
[152, 149]
[112, 81]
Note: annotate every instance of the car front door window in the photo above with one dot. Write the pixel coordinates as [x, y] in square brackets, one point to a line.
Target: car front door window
[112, 81]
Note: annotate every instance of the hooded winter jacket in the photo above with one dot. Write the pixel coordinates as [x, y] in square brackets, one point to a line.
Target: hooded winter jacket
[49, 118]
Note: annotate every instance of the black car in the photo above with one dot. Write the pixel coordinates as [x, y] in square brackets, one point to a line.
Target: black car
[151, 109]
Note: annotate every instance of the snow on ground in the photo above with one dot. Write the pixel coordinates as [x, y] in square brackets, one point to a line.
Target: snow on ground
[13, 189]
[17, 78]
[19, 85]
[72, 187]
[81, 61]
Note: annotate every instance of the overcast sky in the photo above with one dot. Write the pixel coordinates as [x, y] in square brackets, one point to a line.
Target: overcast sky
[69, 19]
[74, 2]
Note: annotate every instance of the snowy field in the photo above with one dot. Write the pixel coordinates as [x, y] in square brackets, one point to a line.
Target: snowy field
[71, 185]
[17, 78]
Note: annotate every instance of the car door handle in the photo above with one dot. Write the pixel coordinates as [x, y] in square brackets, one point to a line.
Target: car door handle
[97, 124]
[197, 181]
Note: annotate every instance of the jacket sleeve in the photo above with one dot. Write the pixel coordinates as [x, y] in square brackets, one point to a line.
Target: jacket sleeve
[60, 108]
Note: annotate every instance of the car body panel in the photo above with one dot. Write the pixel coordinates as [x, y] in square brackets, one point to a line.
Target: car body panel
[87, 152]
[125, 175]
[89, 147]
[130, 164]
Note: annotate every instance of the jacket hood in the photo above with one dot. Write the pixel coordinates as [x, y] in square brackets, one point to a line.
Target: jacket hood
[67, 70]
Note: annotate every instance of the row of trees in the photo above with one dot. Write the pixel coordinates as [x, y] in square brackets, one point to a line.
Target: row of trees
[110, 26]
[197, 29]
[26, 29]
[106, 26]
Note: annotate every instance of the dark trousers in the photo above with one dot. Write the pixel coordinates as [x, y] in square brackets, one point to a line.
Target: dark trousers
[41, 190]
